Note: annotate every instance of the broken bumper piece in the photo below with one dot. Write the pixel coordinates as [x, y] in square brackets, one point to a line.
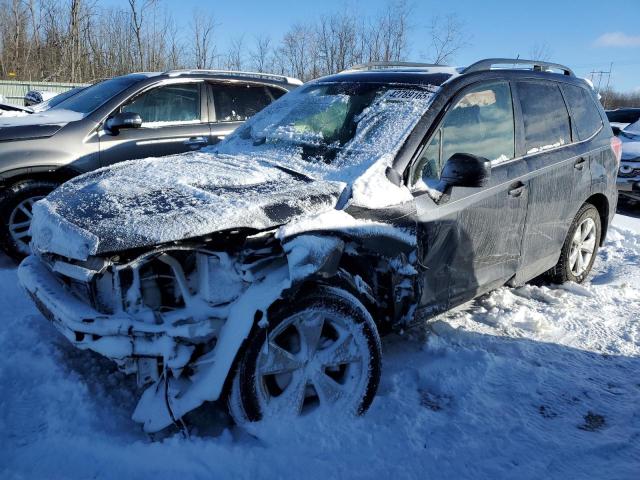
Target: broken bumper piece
[119, 337]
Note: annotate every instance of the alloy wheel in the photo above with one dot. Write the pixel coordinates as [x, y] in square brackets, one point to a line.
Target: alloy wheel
[583, 246]
[312, 359]
[20, 223]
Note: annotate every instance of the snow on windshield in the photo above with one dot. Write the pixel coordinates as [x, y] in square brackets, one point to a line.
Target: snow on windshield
[339, 132]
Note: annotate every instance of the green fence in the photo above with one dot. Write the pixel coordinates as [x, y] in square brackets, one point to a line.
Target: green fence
[14, 90]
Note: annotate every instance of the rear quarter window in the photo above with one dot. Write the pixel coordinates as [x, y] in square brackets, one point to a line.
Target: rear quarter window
[545, 116]
[584, 111]
[237, 102]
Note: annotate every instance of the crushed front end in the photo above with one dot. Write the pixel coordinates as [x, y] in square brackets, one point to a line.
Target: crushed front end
[155, 313]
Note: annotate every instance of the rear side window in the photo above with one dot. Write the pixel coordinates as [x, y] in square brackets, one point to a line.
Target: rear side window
[545, 116]
[585, 114]
[276, 93]
[237, 103]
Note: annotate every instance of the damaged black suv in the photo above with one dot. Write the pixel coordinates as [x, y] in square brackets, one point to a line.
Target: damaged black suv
[262, 270]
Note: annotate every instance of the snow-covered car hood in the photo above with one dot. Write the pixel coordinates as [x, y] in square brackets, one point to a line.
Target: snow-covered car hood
[630, 138]
[142, 203]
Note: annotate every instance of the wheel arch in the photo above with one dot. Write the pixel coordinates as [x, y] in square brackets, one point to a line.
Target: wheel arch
[50, 173]
[601, 203]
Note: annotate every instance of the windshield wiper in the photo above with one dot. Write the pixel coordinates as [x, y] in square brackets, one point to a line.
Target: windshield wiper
[294, 173]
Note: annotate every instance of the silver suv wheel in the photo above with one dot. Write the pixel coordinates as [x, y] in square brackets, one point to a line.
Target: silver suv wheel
[583, 246]
[20, 222]
[321, 353]
[312, 358]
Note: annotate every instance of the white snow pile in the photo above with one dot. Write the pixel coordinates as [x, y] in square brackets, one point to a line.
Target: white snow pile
[533, 382]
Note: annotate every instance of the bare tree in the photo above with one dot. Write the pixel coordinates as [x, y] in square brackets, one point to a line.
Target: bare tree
[297, 52]
[447, 38]
[336, 41]
[540, 51]
[138, 9]
[261, 55]
[203, 50]
[234, 59]
[82, 40]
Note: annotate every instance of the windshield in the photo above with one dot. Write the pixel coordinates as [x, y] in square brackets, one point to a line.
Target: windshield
[91, 98]
[332, 122]
[52, 103]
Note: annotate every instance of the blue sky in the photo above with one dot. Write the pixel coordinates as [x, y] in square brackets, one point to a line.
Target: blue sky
[586, 35]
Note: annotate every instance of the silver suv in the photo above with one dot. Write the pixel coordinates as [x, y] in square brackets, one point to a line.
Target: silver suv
[124, 118]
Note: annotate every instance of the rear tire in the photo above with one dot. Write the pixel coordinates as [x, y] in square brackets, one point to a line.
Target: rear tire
[280, 374]
[580, 247]
[15, 215]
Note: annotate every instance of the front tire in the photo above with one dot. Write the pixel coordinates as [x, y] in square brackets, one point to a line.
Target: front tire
[16, 204]
[321, 352]
[580, 247]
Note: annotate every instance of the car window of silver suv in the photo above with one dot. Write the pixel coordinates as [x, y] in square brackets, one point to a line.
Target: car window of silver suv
[168, 104]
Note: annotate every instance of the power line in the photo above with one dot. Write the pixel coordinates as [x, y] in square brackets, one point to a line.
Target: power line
[601, 75]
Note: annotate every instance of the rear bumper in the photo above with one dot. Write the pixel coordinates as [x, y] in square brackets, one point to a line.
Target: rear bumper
[629, 187]
[119, 337]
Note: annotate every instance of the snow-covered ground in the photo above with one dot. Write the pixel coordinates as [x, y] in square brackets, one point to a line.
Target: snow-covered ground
[533, 382]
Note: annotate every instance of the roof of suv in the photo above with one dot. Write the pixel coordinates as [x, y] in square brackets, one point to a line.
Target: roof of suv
[436, 75]
[235, 75]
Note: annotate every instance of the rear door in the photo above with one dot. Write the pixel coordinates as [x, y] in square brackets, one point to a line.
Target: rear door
[234, 103]
[470, 238]
[559, 174]
[587, 123]
[174, 120]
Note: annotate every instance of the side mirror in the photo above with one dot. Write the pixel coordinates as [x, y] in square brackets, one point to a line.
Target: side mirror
[123, 120]
[393, 176]
[466, 170]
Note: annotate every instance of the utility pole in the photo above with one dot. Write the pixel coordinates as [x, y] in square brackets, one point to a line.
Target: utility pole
[600, 75]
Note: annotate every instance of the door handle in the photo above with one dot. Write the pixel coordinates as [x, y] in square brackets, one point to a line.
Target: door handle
[516, 189]
[580, 164]
[196, 141]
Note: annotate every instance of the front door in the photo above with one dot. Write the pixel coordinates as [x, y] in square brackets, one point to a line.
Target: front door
[470, 238]
[559, 178]
[174, 120]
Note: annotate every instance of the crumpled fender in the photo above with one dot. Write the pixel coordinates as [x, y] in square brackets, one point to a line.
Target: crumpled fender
[169, 398]
[312, 254]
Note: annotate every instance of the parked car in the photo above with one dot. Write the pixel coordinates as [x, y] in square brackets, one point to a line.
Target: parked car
[56, 100]
[9, 110]
[133, 116]
[620, 118]
[264, 269]
[629, 173]
[36, 97]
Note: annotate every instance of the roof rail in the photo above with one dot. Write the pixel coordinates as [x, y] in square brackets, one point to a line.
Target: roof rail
[232, 73]
[537, 65]
[385, 65]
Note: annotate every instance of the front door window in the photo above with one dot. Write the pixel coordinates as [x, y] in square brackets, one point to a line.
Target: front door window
[480, 123]
[171, 104]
